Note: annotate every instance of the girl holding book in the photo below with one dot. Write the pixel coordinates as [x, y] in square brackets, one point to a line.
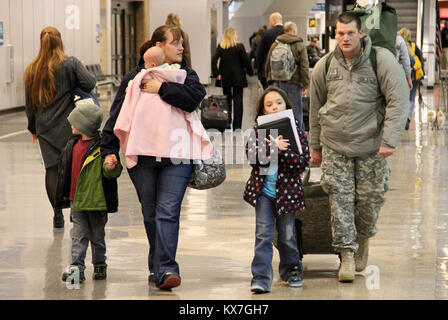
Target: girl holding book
[275, 190]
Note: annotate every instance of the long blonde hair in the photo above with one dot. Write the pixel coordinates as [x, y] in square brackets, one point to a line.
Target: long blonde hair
[405, 33]
[39, 77]
[229, 39]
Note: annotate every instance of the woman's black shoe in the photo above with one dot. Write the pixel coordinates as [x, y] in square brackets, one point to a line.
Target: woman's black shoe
[58, 221]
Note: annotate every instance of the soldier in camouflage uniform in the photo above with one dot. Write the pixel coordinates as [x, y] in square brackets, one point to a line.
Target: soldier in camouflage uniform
[357, 117]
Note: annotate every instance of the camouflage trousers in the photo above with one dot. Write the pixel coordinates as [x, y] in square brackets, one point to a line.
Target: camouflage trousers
[356, 188]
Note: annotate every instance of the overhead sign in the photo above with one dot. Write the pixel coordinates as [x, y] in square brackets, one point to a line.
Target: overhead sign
[320, 6]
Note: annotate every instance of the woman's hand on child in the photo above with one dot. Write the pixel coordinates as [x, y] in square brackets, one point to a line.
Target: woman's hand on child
[151, 86]
[110, 161]
[281, 143]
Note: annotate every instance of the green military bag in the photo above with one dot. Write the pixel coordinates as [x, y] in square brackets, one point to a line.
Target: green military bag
[380, 23]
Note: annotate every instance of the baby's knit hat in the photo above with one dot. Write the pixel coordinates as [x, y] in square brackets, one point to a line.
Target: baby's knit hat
[87, 118]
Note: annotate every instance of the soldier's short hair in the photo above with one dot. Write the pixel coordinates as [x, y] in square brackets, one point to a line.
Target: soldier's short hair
[348, 17]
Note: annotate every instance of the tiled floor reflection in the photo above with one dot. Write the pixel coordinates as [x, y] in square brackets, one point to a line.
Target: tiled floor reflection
[408, 256]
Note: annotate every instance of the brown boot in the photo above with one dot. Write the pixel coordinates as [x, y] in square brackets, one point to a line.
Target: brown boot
[362, 255]
[347, 268]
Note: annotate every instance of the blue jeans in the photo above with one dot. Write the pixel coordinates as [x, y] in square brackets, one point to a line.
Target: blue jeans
[161, 188]
[262, 273]
[294, 92]
[415, 85]
[88, 226]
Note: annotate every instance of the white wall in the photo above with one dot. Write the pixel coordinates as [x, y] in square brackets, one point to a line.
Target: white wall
[23, 20]
[246, 26]
[253, 14]
[195, 19]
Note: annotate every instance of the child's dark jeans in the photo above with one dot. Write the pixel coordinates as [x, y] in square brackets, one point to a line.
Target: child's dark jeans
[264, 235]
[88, 226]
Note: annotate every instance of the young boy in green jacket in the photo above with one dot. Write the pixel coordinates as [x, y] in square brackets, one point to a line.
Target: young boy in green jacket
[89, 187]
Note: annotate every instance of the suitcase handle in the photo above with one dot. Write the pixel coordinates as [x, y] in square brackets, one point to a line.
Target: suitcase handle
[306, 174]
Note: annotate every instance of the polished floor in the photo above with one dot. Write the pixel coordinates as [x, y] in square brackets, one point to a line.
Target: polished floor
[408, 256]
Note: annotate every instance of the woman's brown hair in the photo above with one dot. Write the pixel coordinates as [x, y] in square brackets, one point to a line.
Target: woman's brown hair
[260, 105]
[159, 35]
[39, 77]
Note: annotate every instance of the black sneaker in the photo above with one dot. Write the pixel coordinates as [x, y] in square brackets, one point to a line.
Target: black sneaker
[70, 272]
[99, 271]
[169, 280]
[58, 221]
[151, 277]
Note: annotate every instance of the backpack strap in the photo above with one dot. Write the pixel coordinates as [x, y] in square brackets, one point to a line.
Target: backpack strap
[327, 63]
[372, 57]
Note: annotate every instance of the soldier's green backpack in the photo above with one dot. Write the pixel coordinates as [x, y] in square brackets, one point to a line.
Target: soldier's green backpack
[380, 23]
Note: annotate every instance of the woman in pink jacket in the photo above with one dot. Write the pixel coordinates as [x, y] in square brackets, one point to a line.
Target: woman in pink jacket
[160, 181]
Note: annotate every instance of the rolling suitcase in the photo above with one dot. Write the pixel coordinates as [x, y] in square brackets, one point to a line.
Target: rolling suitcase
[313, 225]
[215, 112]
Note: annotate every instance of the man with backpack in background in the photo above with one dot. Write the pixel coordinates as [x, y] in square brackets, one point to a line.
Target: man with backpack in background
[358, 110]
[287, 67]
[268, 37]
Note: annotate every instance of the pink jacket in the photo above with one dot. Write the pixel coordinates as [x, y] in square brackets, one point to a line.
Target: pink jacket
[149, 126]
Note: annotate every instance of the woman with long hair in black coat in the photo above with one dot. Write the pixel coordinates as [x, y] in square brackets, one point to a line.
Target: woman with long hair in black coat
[233, 65]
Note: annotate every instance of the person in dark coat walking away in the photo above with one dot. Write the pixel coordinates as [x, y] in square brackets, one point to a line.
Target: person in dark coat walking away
[160, 182]
[233, 65]
[267, 39]
[50, 80]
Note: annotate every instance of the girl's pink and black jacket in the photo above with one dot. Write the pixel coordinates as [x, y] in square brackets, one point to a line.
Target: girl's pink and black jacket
[290, 165]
